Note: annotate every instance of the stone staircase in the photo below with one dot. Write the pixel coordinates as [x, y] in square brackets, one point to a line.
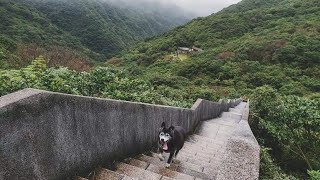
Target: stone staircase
[200, 158]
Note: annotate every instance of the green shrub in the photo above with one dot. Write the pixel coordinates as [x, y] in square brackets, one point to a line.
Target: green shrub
[314, 175]
[290, 125]
[269, 169]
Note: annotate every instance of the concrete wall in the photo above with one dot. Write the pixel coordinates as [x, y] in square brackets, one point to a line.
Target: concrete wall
[242, 157]
[46, 135]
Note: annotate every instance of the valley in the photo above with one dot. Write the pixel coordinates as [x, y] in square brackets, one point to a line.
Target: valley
[267, 51]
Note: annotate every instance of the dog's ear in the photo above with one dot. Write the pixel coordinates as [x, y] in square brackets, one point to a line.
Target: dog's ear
[171, 129]
[163, 126]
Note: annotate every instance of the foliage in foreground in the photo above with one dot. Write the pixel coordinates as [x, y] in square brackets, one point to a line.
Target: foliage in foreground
[314, 175]
[102, 82]
[290, 125]
[269, 169]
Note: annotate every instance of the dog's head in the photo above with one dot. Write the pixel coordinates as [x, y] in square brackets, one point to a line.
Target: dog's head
[165, 135]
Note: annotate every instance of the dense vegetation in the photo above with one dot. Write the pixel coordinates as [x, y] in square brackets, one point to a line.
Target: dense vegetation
[247, 46]
[100, 82]
[84, 30]
[266, 50]
[291, 126]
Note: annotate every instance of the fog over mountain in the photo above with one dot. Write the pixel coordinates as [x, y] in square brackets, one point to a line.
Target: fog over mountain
[205, 7]
[197, 8]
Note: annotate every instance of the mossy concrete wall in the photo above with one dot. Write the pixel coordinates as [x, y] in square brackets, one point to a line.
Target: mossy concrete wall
[46, 135]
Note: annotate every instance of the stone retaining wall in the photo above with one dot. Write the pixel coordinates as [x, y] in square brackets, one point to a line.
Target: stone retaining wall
[46, 135]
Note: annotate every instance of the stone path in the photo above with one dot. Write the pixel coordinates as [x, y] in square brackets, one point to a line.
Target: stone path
[200, 157]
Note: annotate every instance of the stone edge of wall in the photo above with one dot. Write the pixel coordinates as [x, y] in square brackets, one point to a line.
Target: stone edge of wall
[18, 96]
[242, 157]
[23, 94]
[201, 110]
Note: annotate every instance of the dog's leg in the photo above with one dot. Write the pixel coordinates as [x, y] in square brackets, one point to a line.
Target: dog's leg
[176, 153]
[160, 155]
[169, 159]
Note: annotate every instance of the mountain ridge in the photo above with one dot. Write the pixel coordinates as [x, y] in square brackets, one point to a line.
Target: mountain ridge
[267, 51]
[94, 30]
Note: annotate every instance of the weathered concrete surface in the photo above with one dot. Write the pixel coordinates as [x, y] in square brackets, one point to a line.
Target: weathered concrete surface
[242, 156]
[45, 135]
[207, 110]
[221, 148]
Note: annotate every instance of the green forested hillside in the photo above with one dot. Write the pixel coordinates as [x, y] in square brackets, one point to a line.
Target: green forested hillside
[274, 45]
[89, 29]
[264, 50]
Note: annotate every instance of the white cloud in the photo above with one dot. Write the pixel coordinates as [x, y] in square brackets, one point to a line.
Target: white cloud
[204, 7]
[198, 7]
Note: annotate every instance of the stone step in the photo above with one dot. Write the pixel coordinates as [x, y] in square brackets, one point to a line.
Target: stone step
[136, 172]
[200, 156]
[202, 138]
[231, 115]
[166, 178]
[217, 127]
[169, 173]
[242, 105]
[201, 153]
[220, 136]
[196, 174]
[194, 148]
[207, 133]
[192, 161]
[162, 170]
[209, 169]
[197, 158]
[80, 178]
[203, 146]
[203, 143]
[181, 164]
[215, 142]
[106, 174]
[223, 121]
[137, 163]
[239, 111]
[190, 155]
[155, 161]
[188, 168]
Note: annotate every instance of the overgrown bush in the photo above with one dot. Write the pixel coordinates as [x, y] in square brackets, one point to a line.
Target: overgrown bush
[290, 126]
[269, 169]
[103, 82]
[314, 175]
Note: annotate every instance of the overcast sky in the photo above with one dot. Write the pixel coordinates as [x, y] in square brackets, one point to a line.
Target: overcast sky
[198, 7]
[204, 7]
[201, 7]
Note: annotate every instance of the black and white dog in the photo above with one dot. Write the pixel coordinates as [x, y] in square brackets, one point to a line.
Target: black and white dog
[171, 140]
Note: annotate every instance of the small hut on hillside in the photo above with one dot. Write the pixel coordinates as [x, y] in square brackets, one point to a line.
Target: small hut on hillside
[183, 50]
[196, 49]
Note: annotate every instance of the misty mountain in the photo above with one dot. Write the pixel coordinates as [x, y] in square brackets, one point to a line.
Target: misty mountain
[93, 28]
[251, 44]
[167, 9]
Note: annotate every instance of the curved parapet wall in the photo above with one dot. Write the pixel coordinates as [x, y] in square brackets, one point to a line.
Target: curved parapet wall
[242, 157]
[46, 135]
